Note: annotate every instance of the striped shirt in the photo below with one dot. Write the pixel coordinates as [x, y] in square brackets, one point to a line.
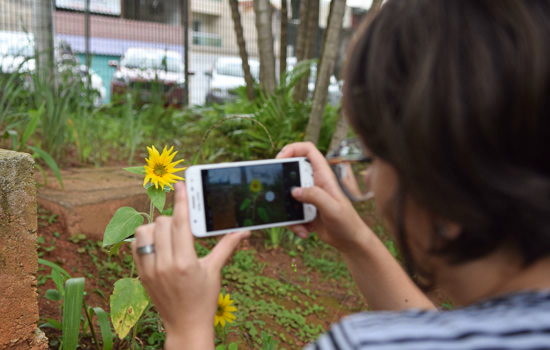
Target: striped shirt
[512, 322]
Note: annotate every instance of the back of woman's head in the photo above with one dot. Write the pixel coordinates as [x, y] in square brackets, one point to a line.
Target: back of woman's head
[455, 94]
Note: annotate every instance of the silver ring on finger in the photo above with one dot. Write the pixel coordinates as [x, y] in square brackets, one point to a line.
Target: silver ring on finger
[146, 249]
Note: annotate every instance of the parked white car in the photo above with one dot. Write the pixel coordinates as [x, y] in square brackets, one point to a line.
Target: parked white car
[19, 55]
[226, 75]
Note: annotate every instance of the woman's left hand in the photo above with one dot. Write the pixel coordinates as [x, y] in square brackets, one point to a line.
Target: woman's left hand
[184, 288]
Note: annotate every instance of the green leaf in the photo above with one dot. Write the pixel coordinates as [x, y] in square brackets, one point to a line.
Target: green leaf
[248, 222]
[220, 347]
[140, 170]
[115, 248]
[13, 135]
[53, 294]
[196, 159]
[49, 161]
[128, 302]
[233, 346]
[263, 214]
[105, 327]
[52, 324]
[122, 225]
[74, 292]
[246, 204]
[54, 266]
[29, 130]
[158, 197]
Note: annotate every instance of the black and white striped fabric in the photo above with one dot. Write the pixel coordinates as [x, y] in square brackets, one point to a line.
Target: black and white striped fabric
[513, 322]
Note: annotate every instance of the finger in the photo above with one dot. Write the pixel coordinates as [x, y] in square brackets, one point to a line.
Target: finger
[320, 198]
[181, 231]
[224, 249]
[310, 226]
[145, 263]
[163, 242]
[300, 231]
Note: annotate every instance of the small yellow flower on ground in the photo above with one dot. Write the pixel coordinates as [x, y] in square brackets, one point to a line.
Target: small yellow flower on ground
[224, 311]
[159, 168]
[255, 186]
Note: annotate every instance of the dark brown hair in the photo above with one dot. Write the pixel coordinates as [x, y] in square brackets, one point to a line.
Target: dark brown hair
[455, 94]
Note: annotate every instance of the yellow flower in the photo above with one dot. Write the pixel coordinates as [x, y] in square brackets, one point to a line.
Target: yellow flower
[224, 311]
[160, 170]
[255, 186]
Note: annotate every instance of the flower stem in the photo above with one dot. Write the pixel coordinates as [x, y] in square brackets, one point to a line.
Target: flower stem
[146, 216]
[151, 212]
[134, 338]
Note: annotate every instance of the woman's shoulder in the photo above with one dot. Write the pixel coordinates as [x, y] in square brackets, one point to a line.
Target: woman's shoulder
[515, 321]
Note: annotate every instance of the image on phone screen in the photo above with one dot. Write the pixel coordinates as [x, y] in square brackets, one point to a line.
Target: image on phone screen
[251, 195]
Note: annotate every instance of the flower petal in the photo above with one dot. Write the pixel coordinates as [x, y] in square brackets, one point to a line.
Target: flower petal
[229, 316]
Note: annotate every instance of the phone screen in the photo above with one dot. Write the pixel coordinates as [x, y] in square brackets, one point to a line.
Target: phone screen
[251, 195]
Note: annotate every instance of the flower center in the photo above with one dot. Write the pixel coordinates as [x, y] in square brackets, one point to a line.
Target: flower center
[220, 311]
[159, 170]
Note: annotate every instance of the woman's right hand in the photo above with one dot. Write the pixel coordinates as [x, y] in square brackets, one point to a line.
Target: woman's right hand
[337, 223]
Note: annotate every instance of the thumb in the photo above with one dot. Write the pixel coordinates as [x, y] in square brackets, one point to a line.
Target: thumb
[323, 201]
[225, 248]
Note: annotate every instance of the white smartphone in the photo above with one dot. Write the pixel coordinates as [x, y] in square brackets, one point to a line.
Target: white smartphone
[251, 195]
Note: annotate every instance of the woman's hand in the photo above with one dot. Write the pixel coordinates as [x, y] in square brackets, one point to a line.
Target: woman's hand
[184, 288]
[337, 223]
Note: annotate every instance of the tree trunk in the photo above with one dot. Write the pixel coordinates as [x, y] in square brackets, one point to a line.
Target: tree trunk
[328, 54]
[284, 41]
[342, 127]
[242, 49]
[262, 9]
[295, 6]
[301, 91]
[302, 30]
[340, 132]
[325, 36]
[374, 8]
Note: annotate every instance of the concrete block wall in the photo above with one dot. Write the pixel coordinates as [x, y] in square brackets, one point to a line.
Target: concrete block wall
[18, 257]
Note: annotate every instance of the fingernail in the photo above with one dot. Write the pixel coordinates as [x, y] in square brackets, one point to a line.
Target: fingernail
[246, 234]
[178, 185]
[297, 192]
[303, 234]
[281, 152]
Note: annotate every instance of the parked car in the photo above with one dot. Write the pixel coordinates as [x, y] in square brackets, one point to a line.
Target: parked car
[225, 76]
[144, 70]
[19, 55]
[334, 88]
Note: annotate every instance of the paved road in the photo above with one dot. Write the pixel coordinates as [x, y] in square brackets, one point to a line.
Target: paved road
[200, 63]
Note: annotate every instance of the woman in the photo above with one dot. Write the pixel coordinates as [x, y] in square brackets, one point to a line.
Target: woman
[450, 99]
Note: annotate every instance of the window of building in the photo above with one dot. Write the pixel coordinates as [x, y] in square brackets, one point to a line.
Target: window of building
[196, 25]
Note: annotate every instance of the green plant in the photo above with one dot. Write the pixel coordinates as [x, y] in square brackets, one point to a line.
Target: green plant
[275, 235]
[69, 297]
[129, 299]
